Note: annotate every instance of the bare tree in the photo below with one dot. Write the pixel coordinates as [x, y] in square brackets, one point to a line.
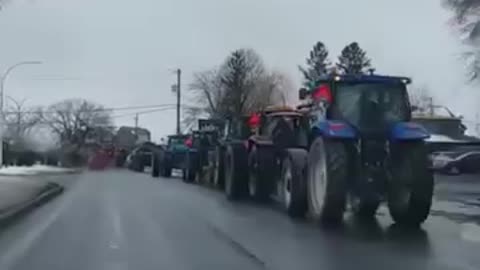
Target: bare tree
[466, 21]
[421, 99]
[239, 86]
[207, 90]
[74, 120]
[20, 121]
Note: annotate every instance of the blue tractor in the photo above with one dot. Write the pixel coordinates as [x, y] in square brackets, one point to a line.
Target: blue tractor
[363, 150]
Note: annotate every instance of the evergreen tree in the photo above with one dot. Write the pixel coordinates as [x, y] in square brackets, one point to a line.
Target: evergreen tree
[353, 60]
[317, 64]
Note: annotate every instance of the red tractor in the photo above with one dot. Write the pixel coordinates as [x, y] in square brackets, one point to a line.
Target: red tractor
[256, 167]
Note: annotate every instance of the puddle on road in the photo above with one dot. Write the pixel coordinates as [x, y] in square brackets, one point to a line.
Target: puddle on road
[470, 232]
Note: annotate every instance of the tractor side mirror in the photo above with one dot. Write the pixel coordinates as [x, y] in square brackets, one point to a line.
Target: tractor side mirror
[302, 93]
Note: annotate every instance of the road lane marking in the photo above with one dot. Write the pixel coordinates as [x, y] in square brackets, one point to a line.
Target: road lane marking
[117, 238]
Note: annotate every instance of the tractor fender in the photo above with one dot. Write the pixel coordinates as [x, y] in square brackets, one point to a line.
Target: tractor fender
[258, 141]
[334, 129]
[408, 131]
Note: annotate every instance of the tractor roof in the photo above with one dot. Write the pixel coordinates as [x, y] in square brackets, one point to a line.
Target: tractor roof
[181, 136]
[363, 78]
[277, 109]
[285, 113]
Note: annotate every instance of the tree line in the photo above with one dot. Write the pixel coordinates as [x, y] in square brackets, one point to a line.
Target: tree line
[66, 127]
[466, 22]
[352, 60]
[243, 84]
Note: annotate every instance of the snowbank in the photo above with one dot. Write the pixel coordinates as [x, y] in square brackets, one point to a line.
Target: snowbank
[441, 138]
[32, 170]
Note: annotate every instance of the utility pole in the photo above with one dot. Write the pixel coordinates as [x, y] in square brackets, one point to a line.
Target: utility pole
[136, 126]
[178, 88]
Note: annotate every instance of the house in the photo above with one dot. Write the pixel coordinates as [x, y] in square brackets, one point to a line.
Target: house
[129, 137]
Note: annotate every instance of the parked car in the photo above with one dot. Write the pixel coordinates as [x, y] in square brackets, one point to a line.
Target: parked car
[456, 162]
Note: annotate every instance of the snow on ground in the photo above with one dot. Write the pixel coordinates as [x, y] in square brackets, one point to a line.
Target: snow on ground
[32, 170]
[441, 138]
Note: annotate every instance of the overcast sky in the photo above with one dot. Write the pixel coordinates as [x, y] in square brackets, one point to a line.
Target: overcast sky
[121, 53]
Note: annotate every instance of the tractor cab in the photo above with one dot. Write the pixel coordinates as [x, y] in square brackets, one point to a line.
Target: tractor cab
[178, 142]
[281, 126]
[370, 104]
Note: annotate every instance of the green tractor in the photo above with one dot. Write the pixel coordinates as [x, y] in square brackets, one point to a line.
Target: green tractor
[170, 156]
[201, 154]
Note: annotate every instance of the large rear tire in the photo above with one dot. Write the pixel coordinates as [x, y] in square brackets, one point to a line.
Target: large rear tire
[235, 171]
[219, 171]
[411, 187]
[327, 180]
[293, 181]
[155, 165]
[165, 169]
[189, 173]
[260, 173]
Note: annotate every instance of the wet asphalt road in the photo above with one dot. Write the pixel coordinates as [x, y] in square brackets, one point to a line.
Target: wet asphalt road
[123, 220]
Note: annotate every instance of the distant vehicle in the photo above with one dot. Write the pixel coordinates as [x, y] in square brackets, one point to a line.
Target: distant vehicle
[202, 149]
[456, 162]
[139, 158]
[170, 156]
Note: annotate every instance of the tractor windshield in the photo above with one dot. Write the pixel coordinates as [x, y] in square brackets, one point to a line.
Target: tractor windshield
[180, 140]
[370, 106]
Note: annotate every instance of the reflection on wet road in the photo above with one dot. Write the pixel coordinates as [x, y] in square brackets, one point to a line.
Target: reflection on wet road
[124, 220]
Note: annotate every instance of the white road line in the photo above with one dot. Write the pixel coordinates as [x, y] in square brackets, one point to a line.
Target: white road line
[117, 237]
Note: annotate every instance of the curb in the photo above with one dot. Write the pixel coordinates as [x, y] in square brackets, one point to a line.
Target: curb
[44, 174]
[49, 192]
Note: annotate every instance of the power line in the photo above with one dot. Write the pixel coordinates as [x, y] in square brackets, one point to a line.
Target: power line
[143, 112]
[126, 108]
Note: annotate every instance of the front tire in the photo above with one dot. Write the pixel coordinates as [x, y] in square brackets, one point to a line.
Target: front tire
[219, 170]
[411, 187]
[155, 166]
[260, 173]
[327, 180]
[293, 181]
[235, 175]
[189, 173]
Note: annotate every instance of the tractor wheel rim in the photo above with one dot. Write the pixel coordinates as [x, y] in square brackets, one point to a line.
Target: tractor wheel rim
[319, 180]
[287, 185]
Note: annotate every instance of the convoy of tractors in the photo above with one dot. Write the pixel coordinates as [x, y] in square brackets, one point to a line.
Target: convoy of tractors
[349, 145]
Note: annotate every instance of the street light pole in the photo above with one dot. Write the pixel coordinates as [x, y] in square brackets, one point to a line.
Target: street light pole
[2, 99]
[179, 75]
[5, 75]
